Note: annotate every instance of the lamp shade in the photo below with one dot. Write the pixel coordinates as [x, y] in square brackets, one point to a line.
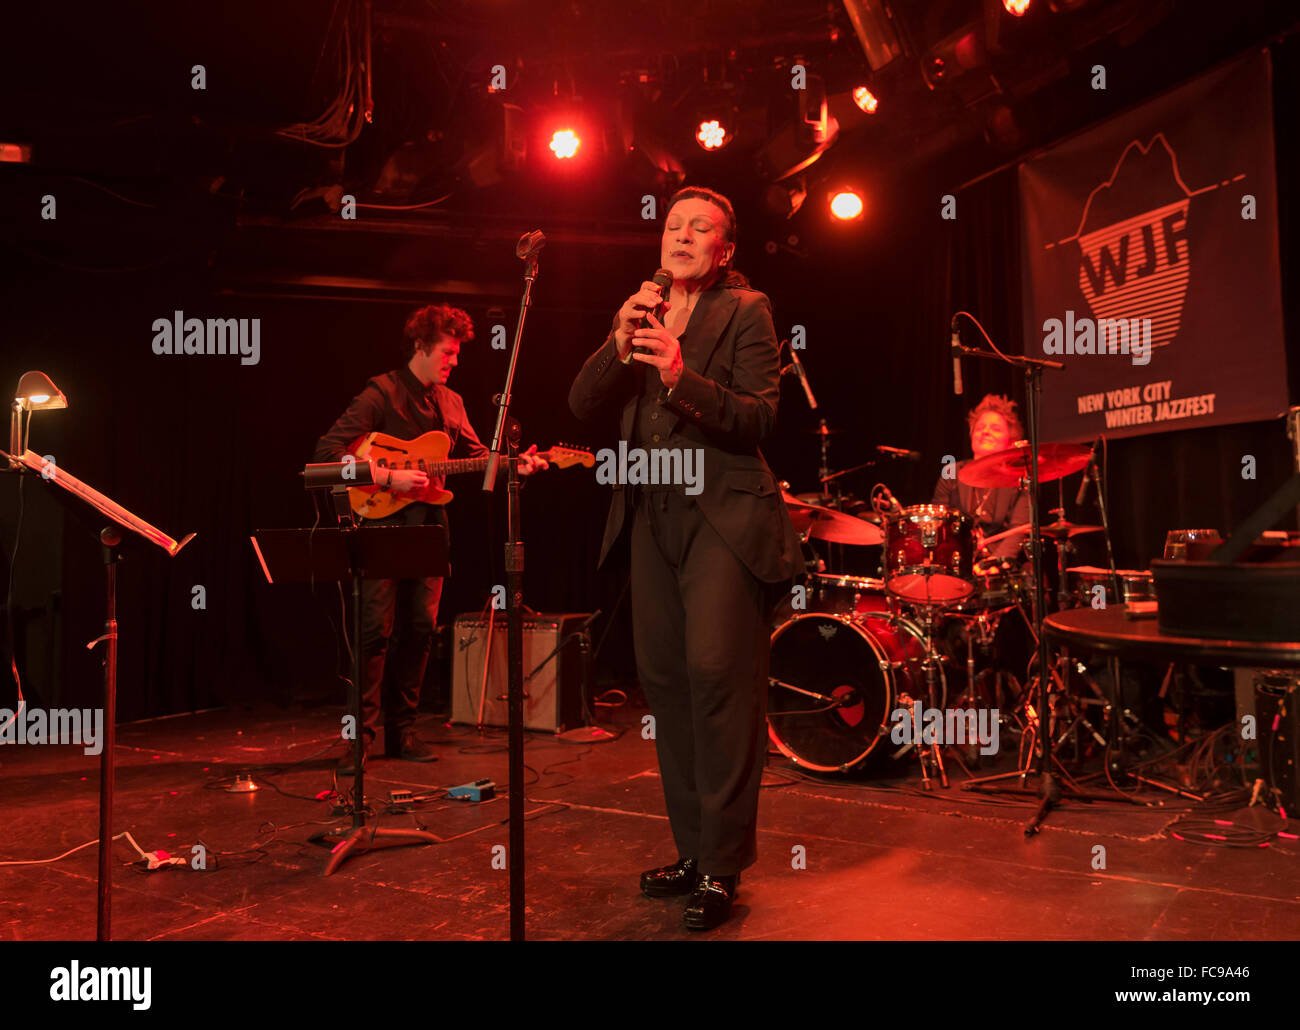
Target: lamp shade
[37, 392]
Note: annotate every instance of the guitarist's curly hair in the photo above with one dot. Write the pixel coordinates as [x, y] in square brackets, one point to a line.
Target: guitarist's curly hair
[431, 323]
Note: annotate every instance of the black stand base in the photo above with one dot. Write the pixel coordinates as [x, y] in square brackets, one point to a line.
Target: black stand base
[357, 840]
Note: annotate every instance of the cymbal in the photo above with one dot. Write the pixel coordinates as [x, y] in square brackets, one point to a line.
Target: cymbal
[832, 526]
[1063, 529]
[1009, 467]
[822, 431]
[1058, 530]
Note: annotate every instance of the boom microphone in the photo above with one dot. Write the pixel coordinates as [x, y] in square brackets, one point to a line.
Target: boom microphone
[1083, 486]
[956, 358]
[529, 244]
[803, 378]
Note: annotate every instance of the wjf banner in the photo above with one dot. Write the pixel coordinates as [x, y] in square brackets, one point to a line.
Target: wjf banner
[1150, 264]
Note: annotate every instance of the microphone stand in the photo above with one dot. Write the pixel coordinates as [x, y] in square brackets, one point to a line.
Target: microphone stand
[506, 434]
[1049, 787]
[1105, 526]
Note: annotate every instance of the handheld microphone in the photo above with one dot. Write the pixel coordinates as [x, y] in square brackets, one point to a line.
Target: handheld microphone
[664, 280]
[956, 359]
[1083, 486]
[899, 452]
[803, 378]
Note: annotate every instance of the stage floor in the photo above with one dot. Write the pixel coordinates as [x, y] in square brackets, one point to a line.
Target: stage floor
[883, 861]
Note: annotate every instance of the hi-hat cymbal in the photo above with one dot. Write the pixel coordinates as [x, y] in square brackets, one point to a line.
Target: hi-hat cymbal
[832, 526]
[1063, 529]
[1009, 467]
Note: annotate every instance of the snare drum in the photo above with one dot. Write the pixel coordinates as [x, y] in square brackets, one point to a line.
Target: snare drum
[996, 588]
[929, 550]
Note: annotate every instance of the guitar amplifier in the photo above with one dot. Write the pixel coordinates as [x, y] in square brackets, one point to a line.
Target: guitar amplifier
[1277, 697]
[557, 653]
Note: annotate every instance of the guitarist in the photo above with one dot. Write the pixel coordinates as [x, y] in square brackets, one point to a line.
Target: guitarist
[398, 617]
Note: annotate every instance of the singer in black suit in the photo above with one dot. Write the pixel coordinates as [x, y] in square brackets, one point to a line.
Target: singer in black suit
[709, 560]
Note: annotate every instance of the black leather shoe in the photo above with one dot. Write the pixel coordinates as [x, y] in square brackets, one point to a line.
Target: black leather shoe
[347, 764]
[710, 903]
[670, 881]
[411, 748]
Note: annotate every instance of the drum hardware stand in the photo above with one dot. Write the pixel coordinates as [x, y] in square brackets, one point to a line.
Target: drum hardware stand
[1064, 548]
[1120, 722]
[1091, 470]
[825, 477]
[927, 754]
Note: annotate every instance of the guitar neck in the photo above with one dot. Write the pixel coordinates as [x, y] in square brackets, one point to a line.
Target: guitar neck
[451, 468]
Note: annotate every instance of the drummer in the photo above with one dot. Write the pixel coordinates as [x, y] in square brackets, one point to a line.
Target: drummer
[994, 426]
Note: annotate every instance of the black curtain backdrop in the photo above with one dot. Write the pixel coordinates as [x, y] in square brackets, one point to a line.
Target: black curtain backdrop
[205, 444]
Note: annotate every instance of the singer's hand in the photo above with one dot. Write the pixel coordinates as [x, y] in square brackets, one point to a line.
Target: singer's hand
[666, 352]
[635, 308]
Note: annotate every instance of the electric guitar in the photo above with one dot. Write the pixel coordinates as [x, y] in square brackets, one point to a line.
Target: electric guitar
[428, 453]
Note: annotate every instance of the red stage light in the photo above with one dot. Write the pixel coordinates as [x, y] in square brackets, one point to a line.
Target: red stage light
[565, 143]
[712, 135]
[846, 205]
[1016, 7]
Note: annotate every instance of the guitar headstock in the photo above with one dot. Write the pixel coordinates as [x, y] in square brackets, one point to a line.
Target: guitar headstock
[565, 457]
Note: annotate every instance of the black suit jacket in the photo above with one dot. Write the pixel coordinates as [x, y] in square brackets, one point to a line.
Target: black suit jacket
[725, 405]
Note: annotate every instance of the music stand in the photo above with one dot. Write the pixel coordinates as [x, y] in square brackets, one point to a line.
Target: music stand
[111, 537]
[375, 552]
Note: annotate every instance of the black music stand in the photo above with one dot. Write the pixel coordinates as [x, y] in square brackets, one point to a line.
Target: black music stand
[376, 552]
[111, 537]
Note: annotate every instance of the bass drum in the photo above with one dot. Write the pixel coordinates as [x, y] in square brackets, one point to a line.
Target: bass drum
[845, 595]
[835, 679]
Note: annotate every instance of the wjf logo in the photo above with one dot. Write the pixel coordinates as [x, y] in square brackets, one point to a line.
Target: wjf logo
[1134, 260]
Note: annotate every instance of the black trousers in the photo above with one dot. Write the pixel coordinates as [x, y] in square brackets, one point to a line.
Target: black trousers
[701, 631]
[398, 621]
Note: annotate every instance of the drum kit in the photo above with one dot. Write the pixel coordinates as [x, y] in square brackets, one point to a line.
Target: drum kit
[852, 656]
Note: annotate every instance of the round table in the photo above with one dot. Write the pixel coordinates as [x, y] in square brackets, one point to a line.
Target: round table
[1110, 631]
